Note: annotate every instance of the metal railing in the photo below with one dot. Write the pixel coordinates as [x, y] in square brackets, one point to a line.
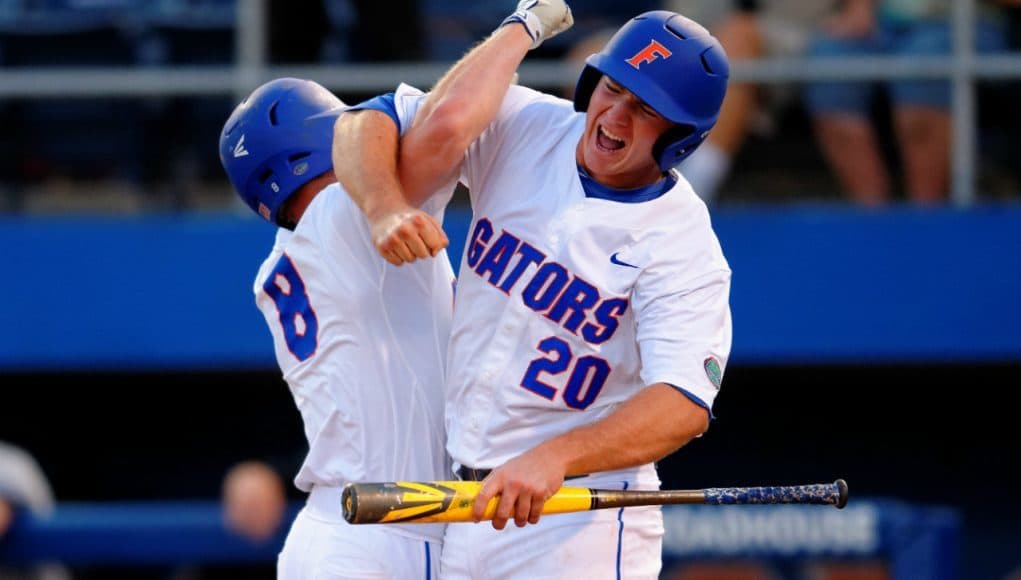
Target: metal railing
[962, 68]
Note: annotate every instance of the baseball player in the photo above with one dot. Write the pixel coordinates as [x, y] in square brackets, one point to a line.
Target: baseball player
[360, 342]
[591, 327]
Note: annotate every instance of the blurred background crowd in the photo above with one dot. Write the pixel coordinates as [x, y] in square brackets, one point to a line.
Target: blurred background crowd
[123, 384]
[794, 128]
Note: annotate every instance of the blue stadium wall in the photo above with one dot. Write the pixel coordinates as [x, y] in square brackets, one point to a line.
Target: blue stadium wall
[811, 285]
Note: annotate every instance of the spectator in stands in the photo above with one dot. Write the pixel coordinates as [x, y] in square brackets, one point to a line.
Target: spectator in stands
[740, 33]
[23, 487]
[254, 500]
[841, 111]
[747, 29]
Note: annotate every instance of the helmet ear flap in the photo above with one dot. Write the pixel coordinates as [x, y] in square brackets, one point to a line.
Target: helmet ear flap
[586, 85]
[676, 144]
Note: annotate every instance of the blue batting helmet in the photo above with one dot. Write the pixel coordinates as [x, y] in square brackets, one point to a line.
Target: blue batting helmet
[278, 139]
[672, 64]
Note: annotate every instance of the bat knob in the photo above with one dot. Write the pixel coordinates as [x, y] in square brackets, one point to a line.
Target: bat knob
[349, 502]
[842, 490]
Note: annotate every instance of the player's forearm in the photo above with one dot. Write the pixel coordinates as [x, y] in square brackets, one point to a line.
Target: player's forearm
[651, 425]
[469, 94]
[462, 104]
[365, 161]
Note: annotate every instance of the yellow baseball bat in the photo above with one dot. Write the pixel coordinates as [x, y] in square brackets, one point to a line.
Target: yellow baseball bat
[452, 501]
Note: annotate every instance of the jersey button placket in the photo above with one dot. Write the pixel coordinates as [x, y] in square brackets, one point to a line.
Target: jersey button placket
[501, 348]
[562, 227]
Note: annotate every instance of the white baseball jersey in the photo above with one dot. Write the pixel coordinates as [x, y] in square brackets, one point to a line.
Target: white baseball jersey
[361, 344]
[571, 296]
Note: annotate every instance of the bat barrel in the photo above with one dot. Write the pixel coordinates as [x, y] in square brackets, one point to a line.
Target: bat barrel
[834, 494]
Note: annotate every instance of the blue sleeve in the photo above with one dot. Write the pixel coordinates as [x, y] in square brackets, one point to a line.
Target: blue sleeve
[383, 104]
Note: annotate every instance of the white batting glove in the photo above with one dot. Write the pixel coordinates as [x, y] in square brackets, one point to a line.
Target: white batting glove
[543, 19]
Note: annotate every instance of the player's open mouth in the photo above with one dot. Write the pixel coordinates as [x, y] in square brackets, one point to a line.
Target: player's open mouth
[608, 141]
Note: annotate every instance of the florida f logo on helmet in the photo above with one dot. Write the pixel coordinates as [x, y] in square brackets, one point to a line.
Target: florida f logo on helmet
[650, 53]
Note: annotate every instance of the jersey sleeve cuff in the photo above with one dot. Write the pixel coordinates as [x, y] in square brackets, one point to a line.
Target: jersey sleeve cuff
[694, 399]
[384, 104]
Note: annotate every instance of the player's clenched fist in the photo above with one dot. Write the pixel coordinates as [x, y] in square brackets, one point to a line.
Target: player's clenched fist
[543, 19]
[402, 237]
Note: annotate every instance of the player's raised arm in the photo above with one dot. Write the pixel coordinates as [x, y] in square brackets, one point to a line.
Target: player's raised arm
[463, 103]
[365, 162]
[362, 139]
[467, 98]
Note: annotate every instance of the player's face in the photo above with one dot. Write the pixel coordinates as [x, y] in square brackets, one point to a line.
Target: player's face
[620, 130]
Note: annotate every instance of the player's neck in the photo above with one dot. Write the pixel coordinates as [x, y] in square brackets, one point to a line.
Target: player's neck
[300, 200]
[622, 182]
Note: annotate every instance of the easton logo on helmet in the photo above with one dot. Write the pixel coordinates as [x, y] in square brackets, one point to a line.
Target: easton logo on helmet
[239, 149]
[649, 53]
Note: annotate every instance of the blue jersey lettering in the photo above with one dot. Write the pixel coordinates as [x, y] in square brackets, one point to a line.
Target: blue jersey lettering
[480, 235]
[606, 321]
[578, 298]
[568, 300]
[529, 256]
[545, 286]
[496, 259]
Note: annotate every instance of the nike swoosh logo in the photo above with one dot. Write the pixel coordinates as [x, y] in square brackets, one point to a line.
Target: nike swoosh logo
[615, 260]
